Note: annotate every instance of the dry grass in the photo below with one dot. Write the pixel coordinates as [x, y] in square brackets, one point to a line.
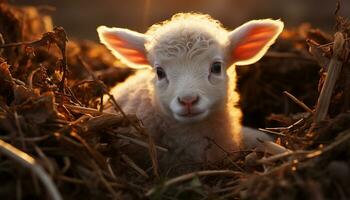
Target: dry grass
[57, 142]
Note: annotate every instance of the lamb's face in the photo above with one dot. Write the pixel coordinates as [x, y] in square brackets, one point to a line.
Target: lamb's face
[189, 55]
[189, 88]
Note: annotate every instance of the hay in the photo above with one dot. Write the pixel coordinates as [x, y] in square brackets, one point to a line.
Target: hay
[52, 121]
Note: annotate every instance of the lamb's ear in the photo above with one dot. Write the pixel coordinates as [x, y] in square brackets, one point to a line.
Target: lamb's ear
[250, 41]
[126, 45]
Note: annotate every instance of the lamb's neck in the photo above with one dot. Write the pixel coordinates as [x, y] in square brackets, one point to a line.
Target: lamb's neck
[217, 122]
[205, 138]
[215, 126]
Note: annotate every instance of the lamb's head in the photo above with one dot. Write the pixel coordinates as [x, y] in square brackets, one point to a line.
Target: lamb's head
[190, 55]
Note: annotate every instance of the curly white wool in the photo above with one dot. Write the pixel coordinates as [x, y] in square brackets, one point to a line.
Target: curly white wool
[185, 33]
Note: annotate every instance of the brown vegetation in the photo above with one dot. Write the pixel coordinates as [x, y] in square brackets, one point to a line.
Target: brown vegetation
[57, 142]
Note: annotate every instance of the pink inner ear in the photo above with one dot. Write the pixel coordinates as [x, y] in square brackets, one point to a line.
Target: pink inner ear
[253, 42]
[125, 49]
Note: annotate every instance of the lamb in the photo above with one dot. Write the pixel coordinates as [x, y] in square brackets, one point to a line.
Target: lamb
[184, 92]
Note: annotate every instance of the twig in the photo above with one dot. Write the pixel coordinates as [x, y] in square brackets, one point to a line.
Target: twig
[85, 110]
[285, 128]
[18, 125]
[281, 156]
[67, 164]
[318, 53]
[133, 165]
[102, 121]
[189, 176]
[69, 125]
[109, 167]
[271, 132]
[92, 111]
[226, 153]
[45, 159]
[73, 96]
[2, 42]
[27, 139]
[59, 136]
[29, 162]
[62, 44]
[71, 180]
[139, 142]
[334, 69]
[328, 44]
[273, 148]
[30, 77]
[297, 101]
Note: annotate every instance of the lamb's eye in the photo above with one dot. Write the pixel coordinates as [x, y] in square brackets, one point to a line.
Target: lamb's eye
[215, 68]
[160, 73]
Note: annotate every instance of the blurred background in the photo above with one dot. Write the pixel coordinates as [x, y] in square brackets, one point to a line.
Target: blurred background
[81, 17]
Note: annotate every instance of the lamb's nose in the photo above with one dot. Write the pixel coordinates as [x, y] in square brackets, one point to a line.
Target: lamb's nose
[188, 100]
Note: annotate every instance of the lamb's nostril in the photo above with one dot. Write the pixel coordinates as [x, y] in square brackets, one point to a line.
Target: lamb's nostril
[188, 100]
[196, 99]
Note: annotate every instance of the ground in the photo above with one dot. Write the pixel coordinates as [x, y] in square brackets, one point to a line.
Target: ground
[56, 140]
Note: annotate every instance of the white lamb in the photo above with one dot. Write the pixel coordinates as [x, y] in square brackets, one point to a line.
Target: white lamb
[189, 94]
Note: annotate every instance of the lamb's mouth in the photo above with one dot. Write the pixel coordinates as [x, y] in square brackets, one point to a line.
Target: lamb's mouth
[192, 116]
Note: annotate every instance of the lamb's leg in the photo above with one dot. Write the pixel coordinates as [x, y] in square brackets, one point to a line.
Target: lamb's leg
[252, 138]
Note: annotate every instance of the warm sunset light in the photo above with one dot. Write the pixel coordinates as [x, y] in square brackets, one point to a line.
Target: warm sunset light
[174, 99]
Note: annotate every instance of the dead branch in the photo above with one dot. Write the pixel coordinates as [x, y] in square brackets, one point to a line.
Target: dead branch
[139, 142]
[271, 132]
[103, 121]
[133, 165]
[334, 69]
[273, 148]
[297, 101]
[286, 128]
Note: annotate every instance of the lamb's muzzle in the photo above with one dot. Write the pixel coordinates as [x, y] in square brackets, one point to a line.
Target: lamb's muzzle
[187, 94]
